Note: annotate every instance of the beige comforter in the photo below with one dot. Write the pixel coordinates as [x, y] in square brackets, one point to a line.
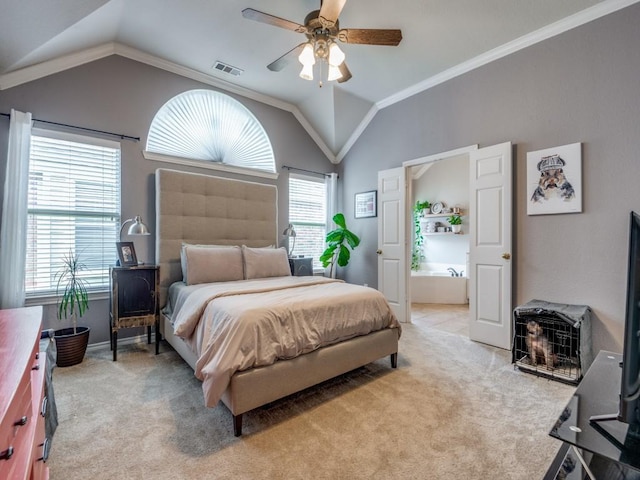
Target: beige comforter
[252, 323]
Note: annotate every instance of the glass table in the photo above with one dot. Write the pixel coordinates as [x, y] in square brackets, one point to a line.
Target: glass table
[604, 449]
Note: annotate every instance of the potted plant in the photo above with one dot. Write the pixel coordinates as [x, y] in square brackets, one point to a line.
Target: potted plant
[73, 301]
[417, 254]
[337, 241]
[422, 207]
[456, 223]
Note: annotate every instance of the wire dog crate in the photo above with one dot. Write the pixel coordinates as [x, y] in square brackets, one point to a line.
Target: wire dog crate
[552, 340]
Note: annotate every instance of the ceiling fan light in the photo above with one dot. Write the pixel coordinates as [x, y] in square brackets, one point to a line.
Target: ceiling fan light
[334, 73]
[307, 72]
[306, 57]
[336, 56]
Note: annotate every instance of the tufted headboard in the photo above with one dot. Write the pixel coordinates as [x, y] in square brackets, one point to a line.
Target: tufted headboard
[202, 209]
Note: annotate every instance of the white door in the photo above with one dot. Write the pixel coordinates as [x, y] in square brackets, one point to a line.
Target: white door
[392, 248]
[490, 246]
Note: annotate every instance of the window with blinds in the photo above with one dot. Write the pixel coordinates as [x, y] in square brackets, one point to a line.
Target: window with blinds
[308, 213]
[73, 206]
[211, 127]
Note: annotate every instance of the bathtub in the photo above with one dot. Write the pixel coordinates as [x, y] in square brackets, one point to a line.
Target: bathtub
[434, 284]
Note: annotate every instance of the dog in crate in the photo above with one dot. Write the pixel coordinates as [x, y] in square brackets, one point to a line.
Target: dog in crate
[540, 350]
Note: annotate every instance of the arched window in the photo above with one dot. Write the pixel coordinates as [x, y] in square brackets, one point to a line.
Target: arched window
[209, 126]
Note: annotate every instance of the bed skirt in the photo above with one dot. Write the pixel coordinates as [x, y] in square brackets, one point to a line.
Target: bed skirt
[253, 388]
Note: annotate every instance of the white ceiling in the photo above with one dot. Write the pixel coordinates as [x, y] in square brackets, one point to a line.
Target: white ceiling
[441, 38]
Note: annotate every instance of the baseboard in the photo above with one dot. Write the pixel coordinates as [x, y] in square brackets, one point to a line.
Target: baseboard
[121, 341]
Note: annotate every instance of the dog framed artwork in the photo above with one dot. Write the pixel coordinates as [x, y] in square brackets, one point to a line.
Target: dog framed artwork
[554, 180]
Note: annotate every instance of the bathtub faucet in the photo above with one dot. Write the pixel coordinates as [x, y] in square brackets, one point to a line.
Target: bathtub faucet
[453, 272]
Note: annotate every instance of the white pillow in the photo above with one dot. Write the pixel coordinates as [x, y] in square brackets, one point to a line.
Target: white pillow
[265, 262]
[214, 263]
[183, 257]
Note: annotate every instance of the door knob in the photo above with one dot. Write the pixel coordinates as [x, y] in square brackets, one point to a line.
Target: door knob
[506, 256]
[379, 252]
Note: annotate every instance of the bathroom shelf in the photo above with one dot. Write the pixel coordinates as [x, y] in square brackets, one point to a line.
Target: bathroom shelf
[441, 215]
[443, 233]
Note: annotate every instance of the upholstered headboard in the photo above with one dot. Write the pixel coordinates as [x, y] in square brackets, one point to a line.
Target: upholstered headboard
[203, 209]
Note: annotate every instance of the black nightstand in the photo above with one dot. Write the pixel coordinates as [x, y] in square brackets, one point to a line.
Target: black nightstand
[134, 302]
[301, 266]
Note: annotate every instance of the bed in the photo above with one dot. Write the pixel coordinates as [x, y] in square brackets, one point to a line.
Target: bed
[200, 219]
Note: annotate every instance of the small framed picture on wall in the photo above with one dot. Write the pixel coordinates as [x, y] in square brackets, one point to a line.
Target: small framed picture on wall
[366, 204]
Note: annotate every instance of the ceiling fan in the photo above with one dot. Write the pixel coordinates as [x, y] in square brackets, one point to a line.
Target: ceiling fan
[322, 30]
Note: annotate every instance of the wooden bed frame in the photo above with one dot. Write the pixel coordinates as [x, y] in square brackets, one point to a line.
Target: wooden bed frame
[201, 209]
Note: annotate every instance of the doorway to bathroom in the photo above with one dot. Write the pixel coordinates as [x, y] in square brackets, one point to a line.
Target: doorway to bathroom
[439, 198]
[490, 204]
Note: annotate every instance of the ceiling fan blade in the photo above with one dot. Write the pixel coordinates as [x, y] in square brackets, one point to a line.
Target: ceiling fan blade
[344, 70]
[285, 59]
[330, 11]
[262, 17]
[370, 36]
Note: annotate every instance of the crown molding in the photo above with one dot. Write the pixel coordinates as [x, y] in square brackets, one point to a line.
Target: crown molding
[561, 26]
[357, 132]
[166, 65]
[34, 72]
[544, 33]
[65, 62]
[60, 64]
[172, 67]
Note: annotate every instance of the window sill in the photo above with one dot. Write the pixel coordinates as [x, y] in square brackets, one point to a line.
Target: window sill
[208, 165]
[53, 299]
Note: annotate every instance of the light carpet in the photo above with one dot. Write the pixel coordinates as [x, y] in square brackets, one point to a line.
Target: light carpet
[452, 409]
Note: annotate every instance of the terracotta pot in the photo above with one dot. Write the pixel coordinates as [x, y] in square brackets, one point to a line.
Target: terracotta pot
[70, 346]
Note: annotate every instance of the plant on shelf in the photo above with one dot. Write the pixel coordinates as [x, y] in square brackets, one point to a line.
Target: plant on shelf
[73, 302]
[337, 242]
[417, 254]
[454, 220]
[456, 223]
[420, 207]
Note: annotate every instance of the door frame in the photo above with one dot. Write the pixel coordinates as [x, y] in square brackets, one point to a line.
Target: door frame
[408, 210]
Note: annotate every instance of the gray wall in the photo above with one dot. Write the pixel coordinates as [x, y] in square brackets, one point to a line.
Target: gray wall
[581, 86]
[120, 95]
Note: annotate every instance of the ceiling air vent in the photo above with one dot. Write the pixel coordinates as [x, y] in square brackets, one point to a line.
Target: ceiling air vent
[223, 67]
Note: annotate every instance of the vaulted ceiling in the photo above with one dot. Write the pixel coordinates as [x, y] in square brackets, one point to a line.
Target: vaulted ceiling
[440, 39]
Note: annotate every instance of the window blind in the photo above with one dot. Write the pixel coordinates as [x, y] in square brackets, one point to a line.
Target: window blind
[73, 206]
[213, 127]
[307, 213]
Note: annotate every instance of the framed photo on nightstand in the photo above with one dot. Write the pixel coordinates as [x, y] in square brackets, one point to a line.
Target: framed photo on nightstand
[127, 254]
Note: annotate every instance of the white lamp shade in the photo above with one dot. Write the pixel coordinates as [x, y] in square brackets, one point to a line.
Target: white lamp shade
[334, 73]
[307, 72]
[336, 56]
[307, 57]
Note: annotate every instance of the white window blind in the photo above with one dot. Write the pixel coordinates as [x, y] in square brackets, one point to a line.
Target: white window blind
[73, 205]
[307, 213]
[212, 127]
